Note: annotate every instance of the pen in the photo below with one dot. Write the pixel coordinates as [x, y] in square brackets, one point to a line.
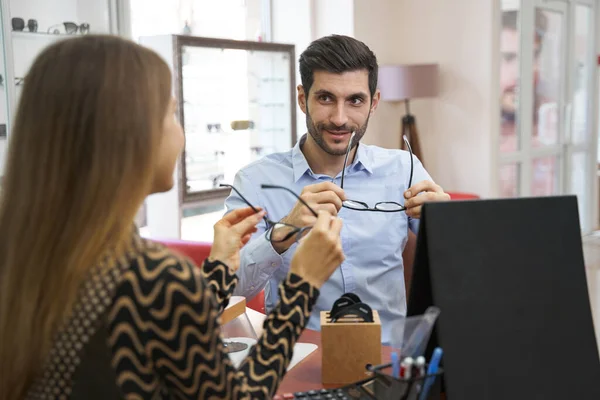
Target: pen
[406, 367]
[395, 365]
[420, 372]
[420, 366]
[431, 370]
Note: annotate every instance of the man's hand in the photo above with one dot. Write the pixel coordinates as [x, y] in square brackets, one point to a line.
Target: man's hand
[232, 232]
[325, 196]
[415, 198]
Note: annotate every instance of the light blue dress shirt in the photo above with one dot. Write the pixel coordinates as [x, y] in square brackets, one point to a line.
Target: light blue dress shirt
[372, 241]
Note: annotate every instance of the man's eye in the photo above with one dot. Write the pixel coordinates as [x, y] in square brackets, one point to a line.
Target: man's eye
[325, 98]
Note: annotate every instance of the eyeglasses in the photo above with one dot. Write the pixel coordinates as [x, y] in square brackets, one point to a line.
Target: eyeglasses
[383, 206]
[278, 232]
[70, 28]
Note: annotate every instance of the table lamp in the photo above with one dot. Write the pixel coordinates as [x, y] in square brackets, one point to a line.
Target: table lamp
[406, 82]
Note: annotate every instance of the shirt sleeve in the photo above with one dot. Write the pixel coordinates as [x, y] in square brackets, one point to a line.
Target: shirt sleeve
[169, 318]
[258, 258]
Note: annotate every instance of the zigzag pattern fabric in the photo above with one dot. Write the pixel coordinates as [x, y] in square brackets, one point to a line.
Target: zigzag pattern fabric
[163, 330]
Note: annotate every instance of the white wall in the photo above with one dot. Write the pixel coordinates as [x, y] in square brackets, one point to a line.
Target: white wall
[94, 12]
[291, 23]
[302, 21]
[458, 129]
[163, 210]
[332, 17]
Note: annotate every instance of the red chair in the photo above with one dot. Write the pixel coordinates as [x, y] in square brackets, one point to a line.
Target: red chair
[198, 252]
[462, 196]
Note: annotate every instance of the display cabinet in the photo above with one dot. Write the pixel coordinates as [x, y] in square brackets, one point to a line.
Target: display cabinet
[28, 26]
[236, 104]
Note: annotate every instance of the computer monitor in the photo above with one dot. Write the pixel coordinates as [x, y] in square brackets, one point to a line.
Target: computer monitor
[509, 278]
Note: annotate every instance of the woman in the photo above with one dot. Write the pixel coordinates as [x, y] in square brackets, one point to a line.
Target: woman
[88, 309]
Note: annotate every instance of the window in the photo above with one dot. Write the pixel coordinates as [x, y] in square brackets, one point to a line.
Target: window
[227, 19]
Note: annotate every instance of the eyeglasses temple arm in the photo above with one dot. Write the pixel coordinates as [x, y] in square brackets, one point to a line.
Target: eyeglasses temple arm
[245, 200]
[346, 158]
[411, 161]
[266, 186]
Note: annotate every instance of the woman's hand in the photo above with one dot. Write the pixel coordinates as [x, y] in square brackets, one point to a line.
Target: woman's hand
[232, 232]
[320, 251]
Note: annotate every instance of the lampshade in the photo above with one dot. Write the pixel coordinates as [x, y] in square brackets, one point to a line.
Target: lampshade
[403, 82]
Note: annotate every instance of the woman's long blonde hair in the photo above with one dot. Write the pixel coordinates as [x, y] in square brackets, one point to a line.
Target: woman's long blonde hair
[80, 164]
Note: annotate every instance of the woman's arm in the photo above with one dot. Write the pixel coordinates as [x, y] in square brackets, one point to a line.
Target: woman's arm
[165, 333]
[221, 279]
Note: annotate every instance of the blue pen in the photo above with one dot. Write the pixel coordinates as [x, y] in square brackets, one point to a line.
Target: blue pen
[395, 365]
[432, 369]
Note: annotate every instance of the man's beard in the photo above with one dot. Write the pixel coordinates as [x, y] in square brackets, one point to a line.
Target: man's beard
[316, 132]
[507, 106]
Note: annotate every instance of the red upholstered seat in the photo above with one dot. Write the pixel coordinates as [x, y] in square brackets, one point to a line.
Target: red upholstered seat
[198, 252]
[462, 196]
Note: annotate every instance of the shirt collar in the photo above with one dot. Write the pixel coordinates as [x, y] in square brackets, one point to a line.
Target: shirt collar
[363, 159]
[299, 164]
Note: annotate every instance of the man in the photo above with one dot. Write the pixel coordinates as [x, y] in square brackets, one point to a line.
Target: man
[338, 95]
[544, 118]
[509, 68]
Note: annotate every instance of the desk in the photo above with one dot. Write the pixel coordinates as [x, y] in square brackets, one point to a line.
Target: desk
[307, 374]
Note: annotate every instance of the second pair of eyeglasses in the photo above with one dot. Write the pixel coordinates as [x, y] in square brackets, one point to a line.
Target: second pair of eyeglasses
[382, 206]
[278, 232]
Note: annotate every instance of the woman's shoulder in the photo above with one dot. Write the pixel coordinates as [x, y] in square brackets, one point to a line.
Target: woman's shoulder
[154, 283]
[152, 261]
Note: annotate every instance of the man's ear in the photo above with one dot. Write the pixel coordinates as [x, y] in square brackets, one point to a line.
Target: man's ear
[302, 98]
[375, 102]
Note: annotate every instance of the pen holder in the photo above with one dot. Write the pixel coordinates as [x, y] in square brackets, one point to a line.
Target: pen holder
[386, 387]
[348, 346]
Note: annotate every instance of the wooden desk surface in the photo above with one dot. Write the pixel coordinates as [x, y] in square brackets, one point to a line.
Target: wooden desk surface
[306, 375]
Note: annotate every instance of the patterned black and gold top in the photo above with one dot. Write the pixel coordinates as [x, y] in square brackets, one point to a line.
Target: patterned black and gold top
[146, 326]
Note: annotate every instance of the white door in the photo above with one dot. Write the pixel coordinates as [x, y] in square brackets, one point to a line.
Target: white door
[546, 144]
[580, 146]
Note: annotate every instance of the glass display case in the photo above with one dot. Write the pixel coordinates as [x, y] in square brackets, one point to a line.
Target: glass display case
[237, 104]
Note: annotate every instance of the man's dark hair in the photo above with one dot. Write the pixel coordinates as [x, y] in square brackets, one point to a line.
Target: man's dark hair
[510, 21]
[337, 54]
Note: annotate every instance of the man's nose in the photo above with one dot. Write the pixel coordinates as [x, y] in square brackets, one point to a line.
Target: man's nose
[339, 116]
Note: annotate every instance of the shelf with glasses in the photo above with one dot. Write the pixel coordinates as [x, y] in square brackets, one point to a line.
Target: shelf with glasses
[45, 35]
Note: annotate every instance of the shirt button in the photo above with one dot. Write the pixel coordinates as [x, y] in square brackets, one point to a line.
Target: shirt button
[252, 287]
[273, 264]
